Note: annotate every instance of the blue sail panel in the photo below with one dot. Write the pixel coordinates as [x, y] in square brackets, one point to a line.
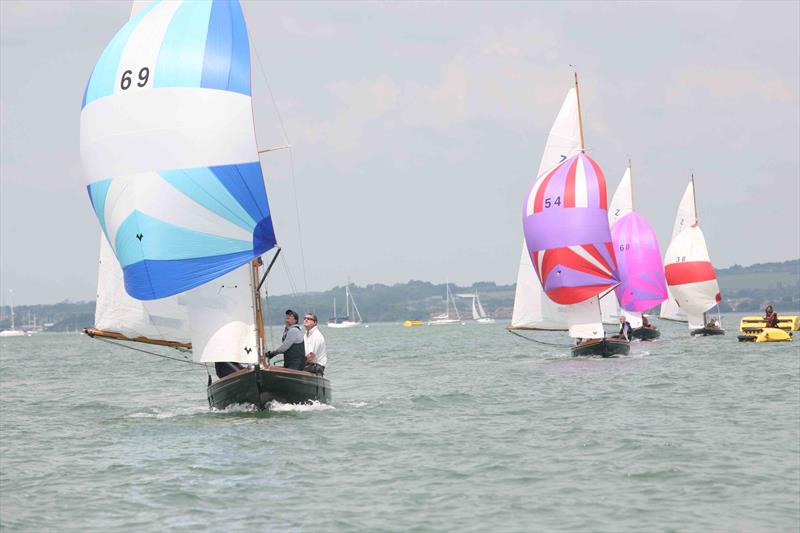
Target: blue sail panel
[180, 60]
[97, 194]
[152, 279]
[246, 184]
[103, 79]
[203, 186]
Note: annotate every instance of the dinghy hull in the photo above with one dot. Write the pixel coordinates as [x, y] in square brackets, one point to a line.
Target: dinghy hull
[602, 348]
[645, 334]
[260, 386]
[706, 331]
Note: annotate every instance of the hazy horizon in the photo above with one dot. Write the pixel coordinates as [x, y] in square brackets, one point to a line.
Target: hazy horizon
[417, 129]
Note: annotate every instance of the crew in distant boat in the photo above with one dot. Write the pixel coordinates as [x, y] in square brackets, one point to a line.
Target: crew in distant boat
[713, 323]
[624, 329]
[316, 353]
[770, 317]
[293, 349]
[646, 323]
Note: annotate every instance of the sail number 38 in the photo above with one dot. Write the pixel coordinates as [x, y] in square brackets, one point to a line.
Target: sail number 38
[126, 80]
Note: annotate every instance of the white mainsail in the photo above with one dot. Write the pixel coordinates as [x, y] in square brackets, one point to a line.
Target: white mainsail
[584, 320]
[621, 204]
[532, 308]
[684, 218]
[691, 276]
[116, 312]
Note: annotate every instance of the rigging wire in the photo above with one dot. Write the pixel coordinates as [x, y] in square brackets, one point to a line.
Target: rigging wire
[291, 166]
[184, 360]
[538, 341]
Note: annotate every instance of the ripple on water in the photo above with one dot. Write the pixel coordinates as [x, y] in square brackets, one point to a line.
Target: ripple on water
[429, 430]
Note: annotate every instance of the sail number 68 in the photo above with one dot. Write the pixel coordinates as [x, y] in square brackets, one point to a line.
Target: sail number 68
[125, 82]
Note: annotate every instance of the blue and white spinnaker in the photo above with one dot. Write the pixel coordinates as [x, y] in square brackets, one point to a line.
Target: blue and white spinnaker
[169, 150]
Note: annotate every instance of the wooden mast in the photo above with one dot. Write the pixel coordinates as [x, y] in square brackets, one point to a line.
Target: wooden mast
[259, 317]
[580, 117]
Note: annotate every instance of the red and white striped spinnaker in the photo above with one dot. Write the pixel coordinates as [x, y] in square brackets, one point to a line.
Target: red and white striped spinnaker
[565, 219]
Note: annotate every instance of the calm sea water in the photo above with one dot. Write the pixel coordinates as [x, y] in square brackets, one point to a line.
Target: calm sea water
[433, 428]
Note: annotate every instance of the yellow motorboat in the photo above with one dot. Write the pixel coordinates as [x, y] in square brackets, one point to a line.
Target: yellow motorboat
[753, 329]
[773, 335]
[412, 323]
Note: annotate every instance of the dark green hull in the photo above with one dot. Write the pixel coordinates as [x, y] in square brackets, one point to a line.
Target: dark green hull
[260, 386]
[602, 348]
[645, 334]
[705, 332]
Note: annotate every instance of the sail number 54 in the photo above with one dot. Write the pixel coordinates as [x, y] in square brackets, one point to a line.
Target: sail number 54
[125, 82]
[548, 203]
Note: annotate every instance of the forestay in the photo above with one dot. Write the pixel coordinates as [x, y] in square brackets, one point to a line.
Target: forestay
[168, 147]
[532, 308]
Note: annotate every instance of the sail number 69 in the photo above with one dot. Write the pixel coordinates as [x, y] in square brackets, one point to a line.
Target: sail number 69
[125, 82]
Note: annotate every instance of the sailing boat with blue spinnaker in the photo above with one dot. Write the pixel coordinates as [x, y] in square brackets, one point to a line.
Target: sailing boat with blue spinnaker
[173, 172]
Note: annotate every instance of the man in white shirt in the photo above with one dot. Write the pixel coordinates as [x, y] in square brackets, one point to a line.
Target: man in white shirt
[316, 354]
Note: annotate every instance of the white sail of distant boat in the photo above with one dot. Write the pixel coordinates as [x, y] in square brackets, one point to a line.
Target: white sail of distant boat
[478, 313]
[689, 272]
[13, 332]
[348, 320]
[532, 308]
[446, 319]
[684, 218]
[621, 204]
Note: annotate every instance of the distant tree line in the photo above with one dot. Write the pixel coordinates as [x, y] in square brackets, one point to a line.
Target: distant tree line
[778, 283]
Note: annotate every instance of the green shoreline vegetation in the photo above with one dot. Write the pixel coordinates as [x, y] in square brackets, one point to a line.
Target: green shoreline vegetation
[744, 289]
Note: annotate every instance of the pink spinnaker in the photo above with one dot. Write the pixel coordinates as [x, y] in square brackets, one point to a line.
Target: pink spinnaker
[639, 261]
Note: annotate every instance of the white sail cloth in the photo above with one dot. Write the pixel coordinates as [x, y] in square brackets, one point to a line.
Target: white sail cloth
[163, 319]
[691, 276]
[684, 218]
[532, 308]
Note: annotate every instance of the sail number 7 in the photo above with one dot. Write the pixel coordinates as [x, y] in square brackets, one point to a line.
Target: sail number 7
[125, 82]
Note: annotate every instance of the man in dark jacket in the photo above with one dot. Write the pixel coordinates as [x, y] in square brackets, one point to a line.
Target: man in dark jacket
[293, 346]
[624, 329]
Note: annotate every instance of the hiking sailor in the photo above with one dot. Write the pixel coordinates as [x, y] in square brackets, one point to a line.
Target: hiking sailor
[293, 349]
[624, 330]
[316, 353]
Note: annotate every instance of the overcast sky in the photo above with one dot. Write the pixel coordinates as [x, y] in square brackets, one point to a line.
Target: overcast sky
[418, 127]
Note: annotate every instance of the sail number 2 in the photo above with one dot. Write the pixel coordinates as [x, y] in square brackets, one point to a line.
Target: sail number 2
[125, 82]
